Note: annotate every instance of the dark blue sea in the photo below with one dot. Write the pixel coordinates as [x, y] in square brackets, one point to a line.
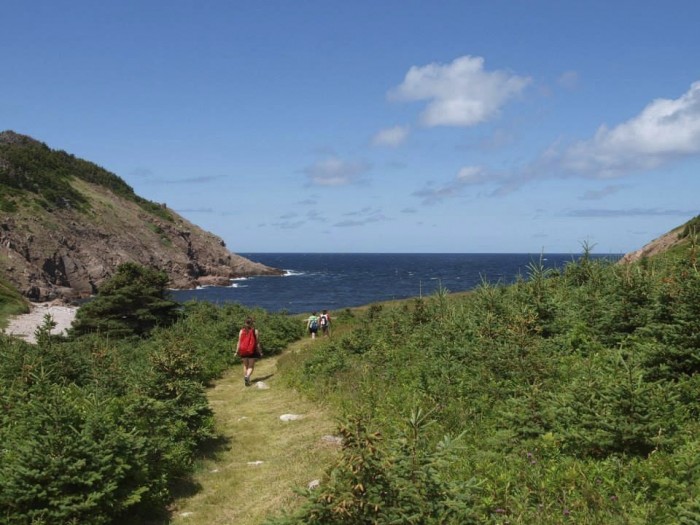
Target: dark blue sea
[334, 281]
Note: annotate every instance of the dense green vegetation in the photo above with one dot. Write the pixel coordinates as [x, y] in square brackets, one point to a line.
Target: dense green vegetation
[103, 429]
[692, 227]
[131, 303]
[11, 302]
[30, 167]
[570, 396]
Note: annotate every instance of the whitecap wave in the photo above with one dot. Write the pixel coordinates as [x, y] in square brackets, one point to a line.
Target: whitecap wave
[292, 273]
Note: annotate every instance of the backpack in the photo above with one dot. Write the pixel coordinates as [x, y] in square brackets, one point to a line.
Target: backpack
[313, 325]
[324, 320]
[248, 343]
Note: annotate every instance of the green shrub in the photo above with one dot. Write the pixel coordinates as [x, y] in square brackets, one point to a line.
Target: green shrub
[68, 457]
[101, 430]
[380, 482]
[576, 393]
[131, 303]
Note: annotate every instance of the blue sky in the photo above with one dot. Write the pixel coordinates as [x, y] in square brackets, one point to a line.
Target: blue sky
[375, 126]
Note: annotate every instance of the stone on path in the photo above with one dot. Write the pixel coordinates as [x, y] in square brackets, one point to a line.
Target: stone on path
[314, 484]
[255, 463]
[262, 386]
[290, 417]
[333, 440]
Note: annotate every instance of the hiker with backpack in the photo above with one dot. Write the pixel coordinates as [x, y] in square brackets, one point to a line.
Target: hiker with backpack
[248, 348]
[325, 323]
[312, 325]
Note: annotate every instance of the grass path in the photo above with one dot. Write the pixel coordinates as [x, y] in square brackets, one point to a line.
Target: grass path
[253, 476]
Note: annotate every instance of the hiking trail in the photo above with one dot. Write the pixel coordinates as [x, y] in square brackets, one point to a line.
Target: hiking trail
[266, 455]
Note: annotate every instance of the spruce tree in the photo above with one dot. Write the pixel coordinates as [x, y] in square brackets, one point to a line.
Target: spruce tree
[132, 303]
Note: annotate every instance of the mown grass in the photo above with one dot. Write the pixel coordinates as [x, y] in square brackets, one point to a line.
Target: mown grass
[232, 488]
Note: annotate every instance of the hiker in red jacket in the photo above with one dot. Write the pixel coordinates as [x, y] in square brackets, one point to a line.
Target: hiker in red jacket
[248, 348]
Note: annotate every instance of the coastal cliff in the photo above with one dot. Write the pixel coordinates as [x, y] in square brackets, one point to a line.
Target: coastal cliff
[66, 224]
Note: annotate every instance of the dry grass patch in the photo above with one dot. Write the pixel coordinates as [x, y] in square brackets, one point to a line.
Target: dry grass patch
[234, 487]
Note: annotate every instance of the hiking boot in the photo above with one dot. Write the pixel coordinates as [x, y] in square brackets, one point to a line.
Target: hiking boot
[246, 380]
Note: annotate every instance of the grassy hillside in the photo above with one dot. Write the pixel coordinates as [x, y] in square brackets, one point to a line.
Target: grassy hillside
[31, 173]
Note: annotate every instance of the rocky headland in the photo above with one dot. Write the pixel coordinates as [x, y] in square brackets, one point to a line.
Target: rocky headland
[66, 224]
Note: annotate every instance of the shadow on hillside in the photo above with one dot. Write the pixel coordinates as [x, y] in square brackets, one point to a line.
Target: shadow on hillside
[187, 487]
[263, 378]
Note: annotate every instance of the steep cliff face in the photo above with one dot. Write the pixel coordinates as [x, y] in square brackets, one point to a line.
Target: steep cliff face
[66, 224]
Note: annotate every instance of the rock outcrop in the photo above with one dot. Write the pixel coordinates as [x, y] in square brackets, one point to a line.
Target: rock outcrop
[658, 245]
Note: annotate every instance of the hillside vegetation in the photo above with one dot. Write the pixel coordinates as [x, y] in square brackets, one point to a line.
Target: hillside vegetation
[31, 172]
[569, 396]
[105, 427]
[11, 302]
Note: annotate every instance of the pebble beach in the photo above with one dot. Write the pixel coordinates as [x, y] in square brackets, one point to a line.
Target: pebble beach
[25, 325]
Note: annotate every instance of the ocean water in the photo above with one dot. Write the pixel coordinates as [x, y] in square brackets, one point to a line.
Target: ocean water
[334, 281]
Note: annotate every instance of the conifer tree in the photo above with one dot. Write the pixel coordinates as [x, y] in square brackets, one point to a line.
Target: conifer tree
[133, 302]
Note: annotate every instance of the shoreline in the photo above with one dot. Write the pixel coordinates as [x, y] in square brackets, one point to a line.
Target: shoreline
[24, 325]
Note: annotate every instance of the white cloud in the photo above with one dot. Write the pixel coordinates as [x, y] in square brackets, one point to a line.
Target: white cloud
[569, 80]
[467, 176]
[334, 171]
[289, 225]
[391, 137]
[461, 93]
[665, 130]
[366, 215]
[594, 195]
[632, 212]
[472, 175]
